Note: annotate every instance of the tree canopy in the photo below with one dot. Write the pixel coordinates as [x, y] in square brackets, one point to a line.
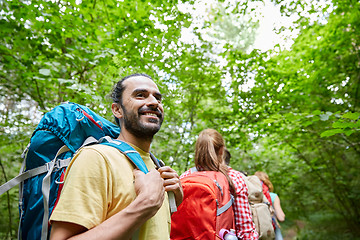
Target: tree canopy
[293, 113]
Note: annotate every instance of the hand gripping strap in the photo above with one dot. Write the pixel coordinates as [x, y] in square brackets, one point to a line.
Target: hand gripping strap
[136, 159]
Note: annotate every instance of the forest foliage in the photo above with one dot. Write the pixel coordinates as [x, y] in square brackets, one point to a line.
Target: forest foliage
[293, 113]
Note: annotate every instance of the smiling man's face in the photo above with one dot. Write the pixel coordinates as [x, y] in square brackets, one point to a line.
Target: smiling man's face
[141, 106]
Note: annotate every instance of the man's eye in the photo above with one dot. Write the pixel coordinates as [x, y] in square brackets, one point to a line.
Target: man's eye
[140, 95]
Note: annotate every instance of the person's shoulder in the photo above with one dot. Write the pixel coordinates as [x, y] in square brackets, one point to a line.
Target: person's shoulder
[237, 177]
[272, 194]
[101, 148]
[102, 156]
[233, 172]
[184, 174]
[99, 151]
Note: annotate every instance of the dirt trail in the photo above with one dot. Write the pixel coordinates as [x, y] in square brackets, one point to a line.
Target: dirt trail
[291, 233]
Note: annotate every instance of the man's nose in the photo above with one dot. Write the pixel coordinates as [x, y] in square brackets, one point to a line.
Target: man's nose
[152, 100]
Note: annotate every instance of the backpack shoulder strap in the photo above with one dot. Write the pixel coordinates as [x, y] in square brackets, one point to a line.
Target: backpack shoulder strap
[127, 150]
[158, 162]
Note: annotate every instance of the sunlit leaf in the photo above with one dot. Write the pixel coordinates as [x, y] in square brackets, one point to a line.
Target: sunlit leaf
[331, 132]
[45, 72]
[352, 115]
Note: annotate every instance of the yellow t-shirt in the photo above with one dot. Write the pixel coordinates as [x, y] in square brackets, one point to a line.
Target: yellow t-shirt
[99, 184]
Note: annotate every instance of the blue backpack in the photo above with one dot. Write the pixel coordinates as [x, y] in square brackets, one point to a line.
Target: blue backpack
[60, 133]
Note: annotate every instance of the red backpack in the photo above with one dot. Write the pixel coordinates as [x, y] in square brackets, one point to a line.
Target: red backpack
[206, 207]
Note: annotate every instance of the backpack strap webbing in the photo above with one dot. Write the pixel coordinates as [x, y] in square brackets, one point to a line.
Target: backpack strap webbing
[159, 163]
[46, 191]
[30, 173]
[172, 202]
[219, 211]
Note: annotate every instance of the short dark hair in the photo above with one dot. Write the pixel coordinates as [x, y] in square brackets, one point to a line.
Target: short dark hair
[227, 156]
[119, 88]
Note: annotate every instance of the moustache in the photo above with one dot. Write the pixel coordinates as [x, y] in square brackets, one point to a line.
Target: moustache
[154, 110]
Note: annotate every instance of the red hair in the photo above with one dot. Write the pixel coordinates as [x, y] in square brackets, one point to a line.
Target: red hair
[209, 149]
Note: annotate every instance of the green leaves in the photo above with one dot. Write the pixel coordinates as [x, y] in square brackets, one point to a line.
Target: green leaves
[352, 115]
[347, 124]
[331, 132]
[293, 113]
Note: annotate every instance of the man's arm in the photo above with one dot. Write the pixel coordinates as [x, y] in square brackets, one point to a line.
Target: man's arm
[150, 196]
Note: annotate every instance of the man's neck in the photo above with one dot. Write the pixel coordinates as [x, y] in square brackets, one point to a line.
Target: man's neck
[142, 143]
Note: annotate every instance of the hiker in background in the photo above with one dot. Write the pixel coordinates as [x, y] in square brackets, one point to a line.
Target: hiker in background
[209, 151]
[275, 201]
[241, 199]
[104, 197]
[266, 184]
[279, 214]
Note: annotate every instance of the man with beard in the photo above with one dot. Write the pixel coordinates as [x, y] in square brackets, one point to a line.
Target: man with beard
[104, 197]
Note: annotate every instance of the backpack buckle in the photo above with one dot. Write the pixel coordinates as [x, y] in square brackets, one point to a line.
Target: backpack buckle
[61, 163]
[57, 164]
[49, 166]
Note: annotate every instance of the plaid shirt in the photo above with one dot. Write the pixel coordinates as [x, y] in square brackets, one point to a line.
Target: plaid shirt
[245, 228]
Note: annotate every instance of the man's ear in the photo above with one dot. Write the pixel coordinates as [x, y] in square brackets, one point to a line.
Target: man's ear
[117, 110]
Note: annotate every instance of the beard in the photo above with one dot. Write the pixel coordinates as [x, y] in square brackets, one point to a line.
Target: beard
[132, 122]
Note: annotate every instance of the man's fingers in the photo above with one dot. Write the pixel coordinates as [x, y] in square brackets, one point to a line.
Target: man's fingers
[137, 173]
[167, 172]
[171, 184]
